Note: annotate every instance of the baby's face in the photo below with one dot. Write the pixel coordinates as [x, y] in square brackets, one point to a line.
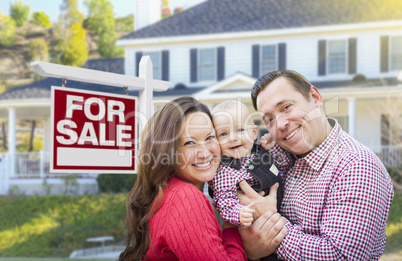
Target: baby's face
[235, 133]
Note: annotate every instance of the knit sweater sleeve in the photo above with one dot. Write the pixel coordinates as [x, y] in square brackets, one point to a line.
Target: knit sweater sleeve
[193, 233]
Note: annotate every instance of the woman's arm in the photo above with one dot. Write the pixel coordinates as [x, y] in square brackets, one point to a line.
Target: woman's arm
[193, 232]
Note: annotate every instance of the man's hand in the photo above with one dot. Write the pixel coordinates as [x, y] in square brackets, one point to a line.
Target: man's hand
[261, 204]
[267, 142]
[264, 235]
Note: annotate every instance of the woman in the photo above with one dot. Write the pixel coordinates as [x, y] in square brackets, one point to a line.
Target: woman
[168, 217]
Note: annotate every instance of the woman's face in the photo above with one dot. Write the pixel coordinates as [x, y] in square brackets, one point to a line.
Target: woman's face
[198, 151]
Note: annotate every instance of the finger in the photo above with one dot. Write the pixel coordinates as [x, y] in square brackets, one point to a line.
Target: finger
[273, 190]
[271, 228]
[262, 193]
[248, 191]
[262, 220]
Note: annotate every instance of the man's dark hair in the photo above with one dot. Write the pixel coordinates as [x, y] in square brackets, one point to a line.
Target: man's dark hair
[299, 82]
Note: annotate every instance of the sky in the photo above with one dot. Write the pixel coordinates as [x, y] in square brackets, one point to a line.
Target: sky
[120, 7]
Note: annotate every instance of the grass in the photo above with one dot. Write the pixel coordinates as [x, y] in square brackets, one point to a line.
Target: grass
[394, 226]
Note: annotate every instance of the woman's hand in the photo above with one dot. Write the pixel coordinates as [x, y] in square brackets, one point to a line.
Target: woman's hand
[261, 204]
[264, 235]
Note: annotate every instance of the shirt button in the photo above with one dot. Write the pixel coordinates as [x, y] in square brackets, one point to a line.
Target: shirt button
[251, 167]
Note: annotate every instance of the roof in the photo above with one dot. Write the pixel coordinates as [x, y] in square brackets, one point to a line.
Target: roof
[225, 16]
[41, 89]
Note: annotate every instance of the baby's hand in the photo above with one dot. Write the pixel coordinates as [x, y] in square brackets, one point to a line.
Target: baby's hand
[246, 214]
[267, 142]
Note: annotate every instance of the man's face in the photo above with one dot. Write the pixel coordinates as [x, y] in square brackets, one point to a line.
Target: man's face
[296, 124]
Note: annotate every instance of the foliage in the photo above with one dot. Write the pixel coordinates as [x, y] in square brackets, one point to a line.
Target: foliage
[7, 30]
[125, 24]
[41, 19]
[394, 225]
[116, 182]
[75, 51]
[38, 50]
[101, 22]
[54, 226]
[19, 13]
[70, 14]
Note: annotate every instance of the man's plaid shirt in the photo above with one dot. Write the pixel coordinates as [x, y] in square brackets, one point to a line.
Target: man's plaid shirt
[336, 201]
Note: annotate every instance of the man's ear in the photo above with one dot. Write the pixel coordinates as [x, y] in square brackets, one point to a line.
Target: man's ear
[316, 96]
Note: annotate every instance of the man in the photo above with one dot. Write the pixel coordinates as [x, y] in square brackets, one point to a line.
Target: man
[337, 193]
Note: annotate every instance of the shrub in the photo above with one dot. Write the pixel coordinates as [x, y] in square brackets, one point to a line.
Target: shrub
[116, 183]
[41, 19]
[7, 30]
[38, 50]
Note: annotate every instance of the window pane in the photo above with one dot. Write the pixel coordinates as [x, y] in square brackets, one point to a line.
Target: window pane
[156, 63]
[268, 59]
[337, 56]
[207, 65]
[396, 53]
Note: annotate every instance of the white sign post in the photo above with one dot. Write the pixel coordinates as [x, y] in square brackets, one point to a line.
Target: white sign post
[89, 128]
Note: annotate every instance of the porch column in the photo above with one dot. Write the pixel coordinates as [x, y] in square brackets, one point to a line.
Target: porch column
[11, 141]
[352, 117]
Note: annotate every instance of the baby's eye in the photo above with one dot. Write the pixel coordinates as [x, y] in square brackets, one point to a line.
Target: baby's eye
[240, 130]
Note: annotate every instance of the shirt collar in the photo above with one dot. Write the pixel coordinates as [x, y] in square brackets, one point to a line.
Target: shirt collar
[318, 156]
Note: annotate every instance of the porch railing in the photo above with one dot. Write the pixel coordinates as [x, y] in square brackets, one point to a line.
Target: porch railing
[391, 156]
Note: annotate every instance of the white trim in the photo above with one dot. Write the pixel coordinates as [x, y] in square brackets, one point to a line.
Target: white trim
[258, 34]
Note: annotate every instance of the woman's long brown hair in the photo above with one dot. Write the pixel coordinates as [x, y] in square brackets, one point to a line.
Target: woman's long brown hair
[155, 165]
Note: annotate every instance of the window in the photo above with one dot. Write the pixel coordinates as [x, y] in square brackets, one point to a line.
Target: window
[156, 63]
[207, 65]
[268, 59]
[337, 56]
[396, 53]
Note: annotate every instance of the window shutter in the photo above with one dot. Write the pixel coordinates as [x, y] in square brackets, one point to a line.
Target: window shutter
[138, 56]
[282, 56]
[384, 54]
[193, 65]
[352, 55]
[322, 44]
[165, 65]
[256, 61]
[221, 63]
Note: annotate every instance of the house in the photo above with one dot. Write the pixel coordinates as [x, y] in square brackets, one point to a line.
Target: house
[350, 50]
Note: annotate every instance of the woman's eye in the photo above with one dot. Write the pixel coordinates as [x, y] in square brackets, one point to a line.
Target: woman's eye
[223, 134]
[189, 143]
[210, 137]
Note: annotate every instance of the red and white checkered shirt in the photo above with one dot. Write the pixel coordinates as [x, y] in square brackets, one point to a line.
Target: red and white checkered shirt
[224, 185]
[336, 201]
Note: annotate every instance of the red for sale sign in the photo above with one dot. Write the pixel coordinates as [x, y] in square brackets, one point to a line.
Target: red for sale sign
[92, 132]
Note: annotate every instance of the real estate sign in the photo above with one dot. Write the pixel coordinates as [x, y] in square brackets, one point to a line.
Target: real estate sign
[92, 132]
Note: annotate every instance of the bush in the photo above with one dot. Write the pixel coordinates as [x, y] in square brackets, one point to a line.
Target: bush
[19, 13]
[41, 19]
[7, 30]
[38, 50]
[116, 183]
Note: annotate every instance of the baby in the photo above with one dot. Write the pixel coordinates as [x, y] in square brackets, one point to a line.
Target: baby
[242, 159]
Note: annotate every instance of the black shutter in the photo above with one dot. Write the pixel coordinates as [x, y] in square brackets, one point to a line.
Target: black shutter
[384, 54]
[352, 55]
[282, 56]
[165, 65]
[256, 61]
[322, 54]
[138, 56]
[220, 70]
[193, 65]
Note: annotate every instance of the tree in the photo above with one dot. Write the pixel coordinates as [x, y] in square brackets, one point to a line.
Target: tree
[38, 50]
[75, 51]
[70, 14]
[41, 19]
[7, 30]
[19, 13]
[101, 22]
[125, 24]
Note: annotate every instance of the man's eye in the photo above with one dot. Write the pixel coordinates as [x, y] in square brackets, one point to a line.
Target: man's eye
[286, 107]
